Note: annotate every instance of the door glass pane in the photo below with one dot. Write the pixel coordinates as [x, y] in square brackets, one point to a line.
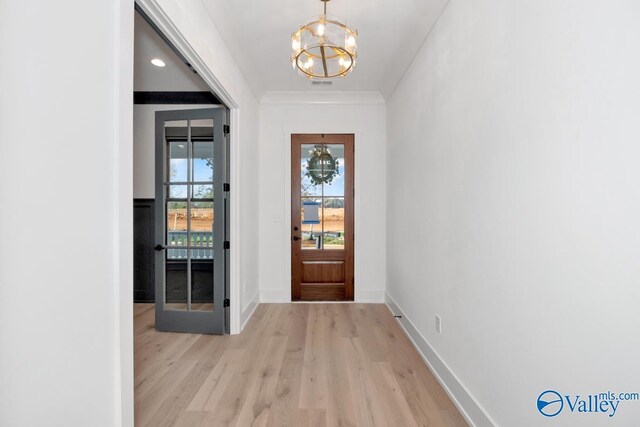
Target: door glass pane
[333, 161]
[176, 224]
[202, 279]
[310, 184]
[323, 176]
[202, 216]
[333, 223]
[190, 223]
[202, 162]
[177, 192]
[333, 166]
[311, 215]
[202, 224]
[176, 279]
[202, 191]
[177, 265]
[176, 137]
[177, 161]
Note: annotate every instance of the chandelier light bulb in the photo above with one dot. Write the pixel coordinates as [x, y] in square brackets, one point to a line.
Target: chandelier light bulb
[321, 29]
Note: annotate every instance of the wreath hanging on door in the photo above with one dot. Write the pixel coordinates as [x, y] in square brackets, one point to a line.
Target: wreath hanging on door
[322, 167]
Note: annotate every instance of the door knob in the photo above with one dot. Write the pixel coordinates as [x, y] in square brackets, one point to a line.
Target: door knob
[159, 247]
[296, 238]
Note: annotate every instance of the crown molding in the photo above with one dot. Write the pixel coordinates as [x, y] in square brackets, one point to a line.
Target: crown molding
[324, 97]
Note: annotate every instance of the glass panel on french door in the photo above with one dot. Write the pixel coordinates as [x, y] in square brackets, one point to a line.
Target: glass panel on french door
[176, 134]
[202, 215]
[334, 169]
[176, 277]
[333, 223]
[189, 215]
[311, 215]
[309, 185]
[322, 196]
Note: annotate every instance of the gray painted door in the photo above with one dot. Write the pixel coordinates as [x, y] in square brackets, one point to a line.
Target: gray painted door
[190, 230]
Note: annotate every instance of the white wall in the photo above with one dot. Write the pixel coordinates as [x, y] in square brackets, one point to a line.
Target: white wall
[514, 198]
[284, 114]
[65, 187]
[202, 44]
[66, 316]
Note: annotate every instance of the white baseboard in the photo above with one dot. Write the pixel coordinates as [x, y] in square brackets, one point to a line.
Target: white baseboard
[365, 296]
[248, 311]
[275, 296]
[468, 406]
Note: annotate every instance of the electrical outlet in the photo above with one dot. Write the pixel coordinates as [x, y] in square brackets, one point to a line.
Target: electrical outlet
[438, 324]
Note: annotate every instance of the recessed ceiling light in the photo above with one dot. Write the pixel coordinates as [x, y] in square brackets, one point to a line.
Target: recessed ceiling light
[158, 62]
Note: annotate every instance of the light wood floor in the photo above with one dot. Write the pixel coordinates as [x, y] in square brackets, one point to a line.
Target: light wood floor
[293, 365]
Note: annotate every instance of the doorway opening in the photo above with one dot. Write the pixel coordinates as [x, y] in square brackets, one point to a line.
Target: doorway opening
[322, 217]
[181, 172]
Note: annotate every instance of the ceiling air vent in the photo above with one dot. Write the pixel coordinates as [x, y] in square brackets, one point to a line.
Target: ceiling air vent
[319, 83]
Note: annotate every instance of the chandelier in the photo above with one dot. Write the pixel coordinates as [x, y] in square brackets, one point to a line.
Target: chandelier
[324, 47]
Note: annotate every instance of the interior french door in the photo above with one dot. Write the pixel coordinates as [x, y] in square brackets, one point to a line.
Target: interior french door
[322, 217]
[191, 254]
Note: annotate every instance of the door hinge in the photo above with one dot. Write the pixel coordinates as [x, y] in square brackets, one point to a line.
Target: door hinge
[226, 187]
[226, 129]
[226, 303]
[226, 245]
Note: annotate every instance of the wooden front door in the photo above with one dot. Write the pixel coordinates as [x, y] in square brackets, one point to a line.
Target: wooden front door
[322, 217]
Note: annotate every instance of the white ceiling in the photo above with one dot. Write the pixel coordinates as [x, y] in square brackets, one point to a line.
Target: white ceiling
[257, 32]
[174, 77]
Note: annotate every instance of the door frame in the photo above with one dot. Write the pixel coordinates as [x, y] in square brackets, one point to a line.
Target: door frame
[154, 11]
[278, 296]
[123, 123]
[348, 140]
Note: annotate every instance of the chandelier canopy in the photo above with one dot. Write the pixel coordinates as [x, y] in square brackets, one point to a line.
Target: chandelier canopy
[324, 47]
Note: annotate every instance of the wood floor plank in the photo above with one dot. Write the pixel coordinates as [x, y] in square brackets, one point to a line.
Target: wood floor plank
[313, 390]
[396, 410]
[217, 381]
[234, 397]
[367, 411]
[160, 360]
[257, 406]
[191, 419]
[340, 406]
[150, 403]
[178, 400]
[293, 365]
[288, 388]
